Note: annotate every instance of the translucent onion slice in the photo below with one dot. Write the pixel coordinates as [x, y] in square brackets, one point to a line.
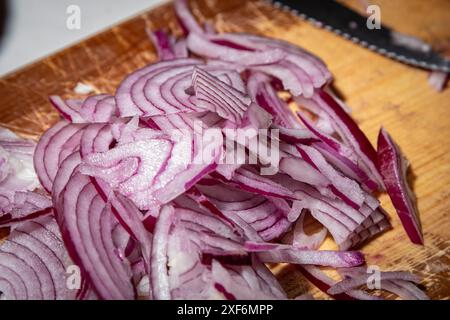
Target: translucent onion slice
[393, 167]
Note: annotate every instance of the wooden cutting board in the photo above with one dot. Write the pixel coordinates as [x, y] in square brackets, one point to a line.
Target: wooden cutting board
[380, 91]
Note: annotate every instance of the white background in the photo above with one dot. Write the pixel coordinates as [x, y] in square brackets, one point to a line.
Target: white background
[36, 28]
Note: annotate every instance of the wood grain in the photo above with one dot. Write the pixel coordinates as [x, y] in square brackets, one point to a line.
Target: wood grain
[380, 91]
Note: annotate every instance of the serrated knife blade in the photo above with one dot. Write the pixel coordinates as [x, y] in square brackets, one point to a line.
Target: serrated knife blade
[335, 17]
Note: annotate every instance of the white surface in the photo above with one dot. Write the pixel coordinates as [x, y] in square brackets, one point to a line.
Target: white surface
[36, 28]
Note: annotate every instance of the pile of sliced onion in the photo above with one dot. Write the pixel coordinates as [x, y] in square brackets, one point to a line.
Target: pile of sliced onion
[116, 200]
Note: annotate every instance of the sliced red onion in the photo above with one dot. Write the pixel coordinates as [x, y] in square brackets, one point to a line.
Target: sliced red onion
[65, 171]
[33, 263]
[123, 243]
[250, 181]
[189, 274]
[14, 144]
[302, 171]
[348, 284]
[167, 46]
[294, 79]
[374, 224]
[315, 67]
[304, 241]
[130, 132]
[256, 118]
[319, 279]
[346, 189]
[261, 90]
[343, 155]
[185, 121]
[131, 219]
[185, 17]
[16, 170]
[95, 109]
[53, 147]
[126, 213]
[200, 45]
[276, 253]
[350, 131]
[303, 191]
[323, 282]
[245, 143]
[438, 80]
[339, 218]
[233, 285]
[203, 227]
[99, 109]
[393, 167]
[229, 259]
[298, 70]
[162, 255]
[87, 229]
[405, 289]
[163, 44]
[26, 206]
[180, 49]
[63, 178]
[294, 136]
[160, 277]
[265, 215]
[227, 102]
[128, 166]
[147, 177]
[69, 111]
[96, 138]
[146, 91]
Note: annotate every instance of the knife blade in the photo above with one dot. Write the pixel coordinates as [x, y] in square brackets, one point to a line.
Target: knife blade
[343, 21]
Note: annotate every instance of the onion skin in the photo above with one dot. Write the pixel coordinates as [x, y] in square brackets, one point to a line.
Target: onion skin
[393, 166]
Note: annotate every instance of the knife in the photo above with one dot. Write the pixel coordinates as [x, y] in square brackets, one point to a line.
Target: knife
[343, 21]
